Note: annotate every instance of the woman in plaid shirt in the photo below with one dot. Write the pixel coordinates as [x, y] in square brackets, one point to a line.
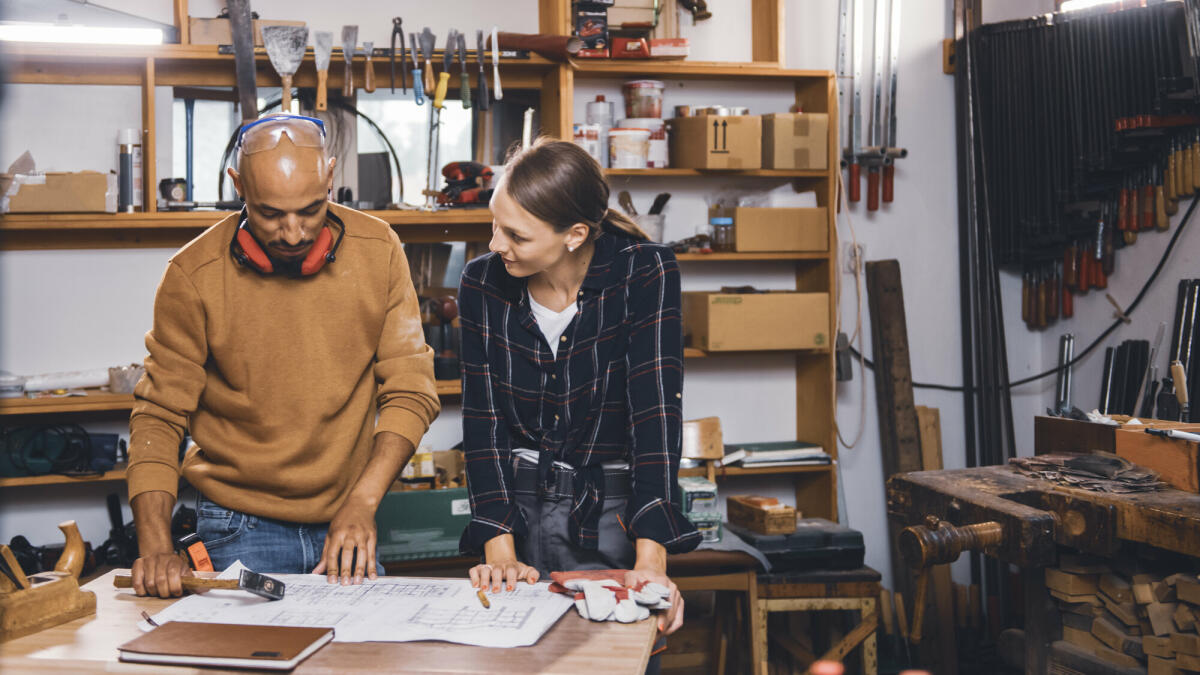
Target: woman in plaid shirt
[572, 355]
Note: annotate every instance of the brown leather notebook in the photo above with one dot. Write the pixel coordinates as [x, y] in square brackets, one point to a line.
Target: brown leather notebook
[225, 644]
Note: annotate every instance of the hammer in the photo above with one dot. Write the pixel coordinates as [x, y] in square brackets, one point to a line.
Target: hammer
[252, 582]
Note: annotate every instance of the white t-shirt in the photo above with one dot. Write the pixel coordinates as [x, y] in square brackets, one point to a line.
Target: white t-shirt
[552, 324]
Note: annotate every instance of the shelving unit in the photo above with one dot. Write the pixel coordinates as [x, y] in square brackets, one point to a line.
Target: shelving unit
[199, 65]
[117, 474]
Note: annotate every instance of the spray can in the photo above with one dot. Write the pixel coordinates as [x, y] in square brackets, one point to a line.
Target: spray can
[601, 112]
[129, 173]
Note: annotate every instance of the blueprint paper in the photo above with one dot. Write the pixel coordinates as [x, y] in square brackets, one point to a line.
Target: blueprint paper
[389, 609]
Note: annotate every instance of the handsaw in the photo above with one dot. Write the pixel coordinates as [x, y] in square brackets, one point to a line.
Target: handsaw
[349, 42]
[322, 50]
[285, 47]
[243, 57]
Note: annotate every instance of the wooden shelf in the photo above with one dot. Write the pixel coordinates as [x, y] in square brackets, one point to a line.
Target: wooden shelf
[203, 65]
[104, 402]
[24, 231]
[732, 173]
[696, 353]
[689, 70]
[723, 471]
[734, 257]
[117, 474]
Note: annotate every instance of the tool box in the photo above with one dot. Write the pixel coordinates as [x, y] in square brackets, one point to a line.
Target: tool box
[418, 524]
[817, 544]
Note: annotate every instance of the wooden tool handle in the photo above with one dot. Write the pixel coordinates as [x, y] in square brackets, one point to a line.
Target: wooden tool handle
[428, 73]
[1169, 178]
[1195, 167]
[369, 75]
[889, 176]
[190, 583]
[286, 103]
[1182, 168]
[873, 189]
[855, 191]
[1160, 209]
[1187, 187]
[74, 552]
[322, 95]
[348, 85]
[1181, 389]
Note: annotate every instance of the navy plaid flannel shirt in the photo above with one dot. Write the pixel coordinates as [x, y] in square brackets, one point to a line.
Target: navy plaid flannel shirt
[613, 393]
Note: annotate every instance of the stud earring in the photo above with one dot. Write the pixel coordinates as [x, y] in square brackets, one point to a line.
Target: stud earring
[570, 249]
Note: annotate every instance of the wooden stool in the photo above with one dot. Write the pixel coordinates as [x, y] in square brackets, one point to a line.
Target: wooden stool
[706, 570]
[856, 590]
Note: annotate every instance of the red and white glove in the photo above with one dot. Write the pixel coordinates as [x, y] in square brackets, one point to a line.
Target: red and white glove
[601, 596]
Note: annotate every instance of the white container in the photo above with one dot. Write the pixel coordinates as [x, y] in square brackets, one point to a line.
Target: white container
[587, 136]
[600, 112]
[651, 224]
[628, 148]
[658, 156]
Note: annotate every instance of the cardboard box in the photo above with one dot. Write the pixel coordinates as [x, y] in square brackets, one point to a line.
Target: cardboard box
[59, 192]
[712, 142]
[723, 322]
[591, 26]
[418, 524]
[764, 515]
[218, 32]
[777, 229]
[795, 141]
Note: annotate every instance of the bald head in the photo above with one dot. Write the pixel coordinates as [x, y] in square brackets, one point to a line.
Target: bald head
[286, 189]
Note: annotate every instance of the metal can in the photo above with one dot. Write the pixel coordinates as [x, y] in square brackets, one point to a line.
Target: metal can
[683, 111]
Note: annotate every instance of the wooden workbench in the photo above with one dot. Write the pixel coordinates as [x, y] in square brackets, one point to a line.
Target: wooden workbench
[572, 646]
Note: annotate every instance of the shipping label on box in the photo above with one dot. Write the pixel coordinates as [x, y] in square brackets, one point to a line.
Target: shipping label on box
[777, 229]
[59, 192]
[756, 321]
[795, 141]
[716, 142]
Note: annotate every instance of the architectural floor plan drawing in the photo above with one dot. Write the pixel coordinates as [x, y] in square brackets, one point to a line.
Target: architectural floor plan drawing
[389, 609]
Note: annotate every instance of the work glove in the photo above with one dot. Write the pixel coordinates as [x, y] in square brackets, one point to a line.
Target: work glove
[601, 596]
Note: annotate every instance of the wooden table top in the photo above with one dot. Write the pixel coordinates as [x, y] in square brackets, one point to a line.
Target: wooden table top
[573, 646]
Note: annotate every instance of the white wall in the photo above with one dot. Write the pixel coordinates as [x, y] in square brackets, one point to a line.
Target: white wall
[72, 309]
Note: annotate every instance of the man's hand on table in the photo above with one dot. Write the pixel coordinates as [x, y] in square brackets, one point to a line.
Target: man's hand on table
[160, 574]
[349, 553]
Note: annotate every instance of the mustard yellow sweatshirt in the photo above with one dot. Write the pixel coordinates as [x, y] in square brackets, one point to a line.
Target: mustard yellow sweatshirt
[278, 378]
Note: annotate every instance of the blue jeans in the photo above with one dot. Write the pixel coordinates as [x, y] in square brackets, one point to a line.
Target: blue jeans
[262, 544]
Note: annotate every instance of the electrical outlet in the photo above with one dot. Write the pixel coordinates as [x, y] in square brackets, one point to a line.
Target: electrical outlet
[855, 256]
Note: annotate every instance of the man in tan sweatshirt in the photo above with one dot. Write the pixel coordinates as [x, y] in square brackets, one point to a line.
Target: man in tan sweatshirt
[287, 340]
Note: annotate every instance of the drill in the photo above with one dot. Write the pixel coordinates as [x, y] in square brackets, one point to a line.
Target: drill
[464, 184]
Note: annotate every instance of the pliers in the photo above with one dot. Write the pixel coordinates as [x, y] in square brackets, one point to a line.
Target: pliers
[397, 29]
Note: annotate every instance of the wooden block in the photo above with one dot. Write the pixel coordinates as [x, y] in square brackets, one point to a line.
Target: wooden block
[1157, 646]
[1082, 608]
[1082, 639]
[1187, 589]
[1161, 666]
[1176, 461]
[1116, 587]
[1078, 621]
[761, 514]
[1125, 611]
[1189, 662]
[1161, 617]
[1164, 592]
[702, 439]
[1185, 643]
[1082, 564]
[1184, 619]
[1145, 626]
[1111, 634]
[1071, 584]
[1091, 600]
[1117, 658]
[1143, 594]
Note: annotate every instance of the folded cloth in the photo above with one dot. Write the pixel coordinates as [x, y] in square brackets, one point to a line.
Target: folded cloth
[601, 595]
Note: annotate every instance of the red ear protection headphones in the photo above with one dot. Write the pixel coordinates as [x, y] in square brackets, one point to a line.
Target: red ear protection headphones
[246, 249]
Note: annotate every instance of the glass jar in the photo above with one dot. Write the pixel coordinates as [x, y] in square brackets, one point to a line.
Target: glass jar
[722, 233]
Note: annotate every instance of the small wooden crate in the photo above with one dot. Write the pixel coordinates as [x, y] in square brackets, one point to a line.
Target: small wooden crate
[1176, 461]
[764, 515]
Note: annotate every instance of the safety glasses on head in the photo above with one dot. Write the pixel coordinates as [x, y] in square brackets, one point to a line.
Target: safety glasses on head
[264, 134]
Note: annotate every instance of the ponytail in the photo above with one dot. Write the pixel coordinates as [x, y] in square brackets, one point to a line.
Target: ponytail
[616, 220]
